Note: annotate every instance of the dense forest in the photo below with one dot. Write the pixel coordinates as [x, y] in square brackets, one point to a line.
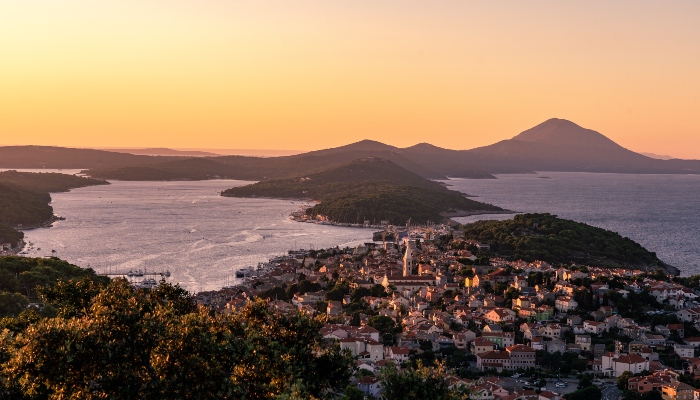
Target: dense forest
[25, 198]
[21, 276]
[48, 181]
[397, 204]
[549, 238]
[368, 189]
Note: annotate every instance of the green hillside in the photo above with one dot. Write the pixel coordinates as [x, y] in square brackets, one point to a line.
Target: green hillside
[559, 241]
[21, 276]
[48, 181]
[25, 198]
[368, 189]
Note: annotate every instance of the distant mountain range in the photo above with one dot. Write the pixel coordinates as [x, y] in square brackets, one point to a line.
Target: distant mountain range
[554, 145]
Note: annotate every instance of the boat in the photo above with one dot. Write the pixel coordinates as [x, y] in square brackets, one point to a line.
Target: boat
[245, 272]
[148, 283]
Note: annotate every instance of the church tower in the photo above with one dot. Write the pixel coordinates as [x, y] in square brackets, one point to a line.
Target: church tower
[408, 261]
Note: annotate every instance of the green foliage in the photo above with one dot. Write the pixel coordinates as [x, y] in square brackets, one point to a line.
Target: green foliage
[12, 303]
[545, 237]
[385, 325]
[352, 393]
[153, 344]
[24, 199]
[21, 206]
[416, 383]
[623, 379]
[585, 381]
[26, 277]
[48, 181]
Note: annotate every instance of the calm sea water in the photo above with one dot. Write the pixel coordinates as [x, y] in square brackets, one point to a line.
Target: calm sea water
[661, 212]
[184, 227]
[202, 238]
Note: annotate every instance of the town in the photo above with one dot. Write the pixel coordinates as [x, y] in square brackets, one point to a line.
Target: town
[503, 329]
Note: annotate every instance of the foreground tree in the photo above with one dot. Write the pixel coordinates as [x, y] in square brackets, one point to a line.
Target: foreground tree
[124, 343]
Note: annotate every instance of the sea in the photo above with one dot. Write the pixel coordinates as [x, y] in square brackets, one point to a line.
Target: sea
[202, 238]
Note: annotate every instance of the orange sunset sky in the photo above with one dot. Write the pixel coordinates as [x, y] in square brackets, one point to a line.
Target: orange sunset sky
[309, 74]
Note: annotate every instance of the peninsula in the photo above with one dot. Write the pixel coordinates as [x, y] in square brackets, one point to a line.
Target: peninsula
[25, 198]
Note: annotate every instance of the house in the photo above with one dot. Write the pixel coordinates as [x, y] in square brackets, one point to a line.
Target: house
[556, 345]
[653, 340]
[584, 341]
[398, 353]
[684, 350]
[678, 328]
[500, 339]
[552, 331]
[689, 314]
[363, 348]
[547, 395]
[498, 315]
[481, 345]
[677, 391]
[370, 385]
[595, 327]
[565, 304]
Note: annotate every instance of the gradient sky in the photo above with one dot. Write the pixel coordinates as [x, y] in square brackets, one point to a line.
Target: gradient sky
[307, 74]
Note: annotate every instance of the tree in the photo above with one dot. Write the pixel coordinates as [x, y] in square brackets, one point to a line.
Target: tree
[385, 325]
[622, 380]
[415, 383]
[153, 344]
[352, 393]
[12, 304]
[585, 381]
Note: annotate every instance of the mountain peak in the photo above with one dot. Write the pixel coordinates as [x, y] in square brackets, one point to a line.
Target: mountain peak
[367, 145]
[562, 131]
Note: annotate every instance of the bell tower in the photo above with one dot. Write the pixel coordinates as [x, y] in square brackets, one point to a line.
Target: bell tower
[408, 261]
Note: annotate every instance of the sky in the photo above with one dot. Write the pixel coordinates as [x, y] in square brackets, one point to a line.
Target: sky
[306, 74]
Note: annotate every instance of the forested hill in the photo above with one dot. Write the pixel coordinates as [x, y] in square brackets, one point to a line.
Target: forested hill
[368, 189]
[548, 238]
[20, 277]
[47, 181]
[25, 198]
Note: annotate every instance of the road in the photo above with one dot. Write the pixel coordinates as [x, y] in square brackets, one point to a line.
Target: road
[610, 392]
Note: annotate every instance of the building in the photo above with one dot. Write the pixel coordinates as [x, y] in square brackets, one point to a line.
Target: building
[614, 364]
[482, 345]
[584, 341]
[370, 385]
[677, 391]
[514, 357]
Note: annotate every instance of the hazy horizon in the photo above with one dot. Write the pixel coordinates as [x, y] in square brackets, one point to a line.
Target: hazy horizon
[311, 74]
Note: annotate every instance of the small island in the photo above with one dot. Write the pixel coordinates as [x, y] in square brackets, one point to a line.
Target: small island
[369, 189]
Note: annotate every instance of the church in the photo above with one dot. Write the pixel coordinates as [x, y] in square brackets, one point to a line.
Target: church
[407, 280]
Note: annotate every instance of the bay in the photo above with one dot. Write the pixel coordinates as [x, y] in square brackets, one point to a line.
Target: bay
[187, 228]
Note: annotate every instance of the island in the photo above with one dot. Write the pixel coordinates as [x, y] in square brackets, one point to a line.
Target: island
[368, 191]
